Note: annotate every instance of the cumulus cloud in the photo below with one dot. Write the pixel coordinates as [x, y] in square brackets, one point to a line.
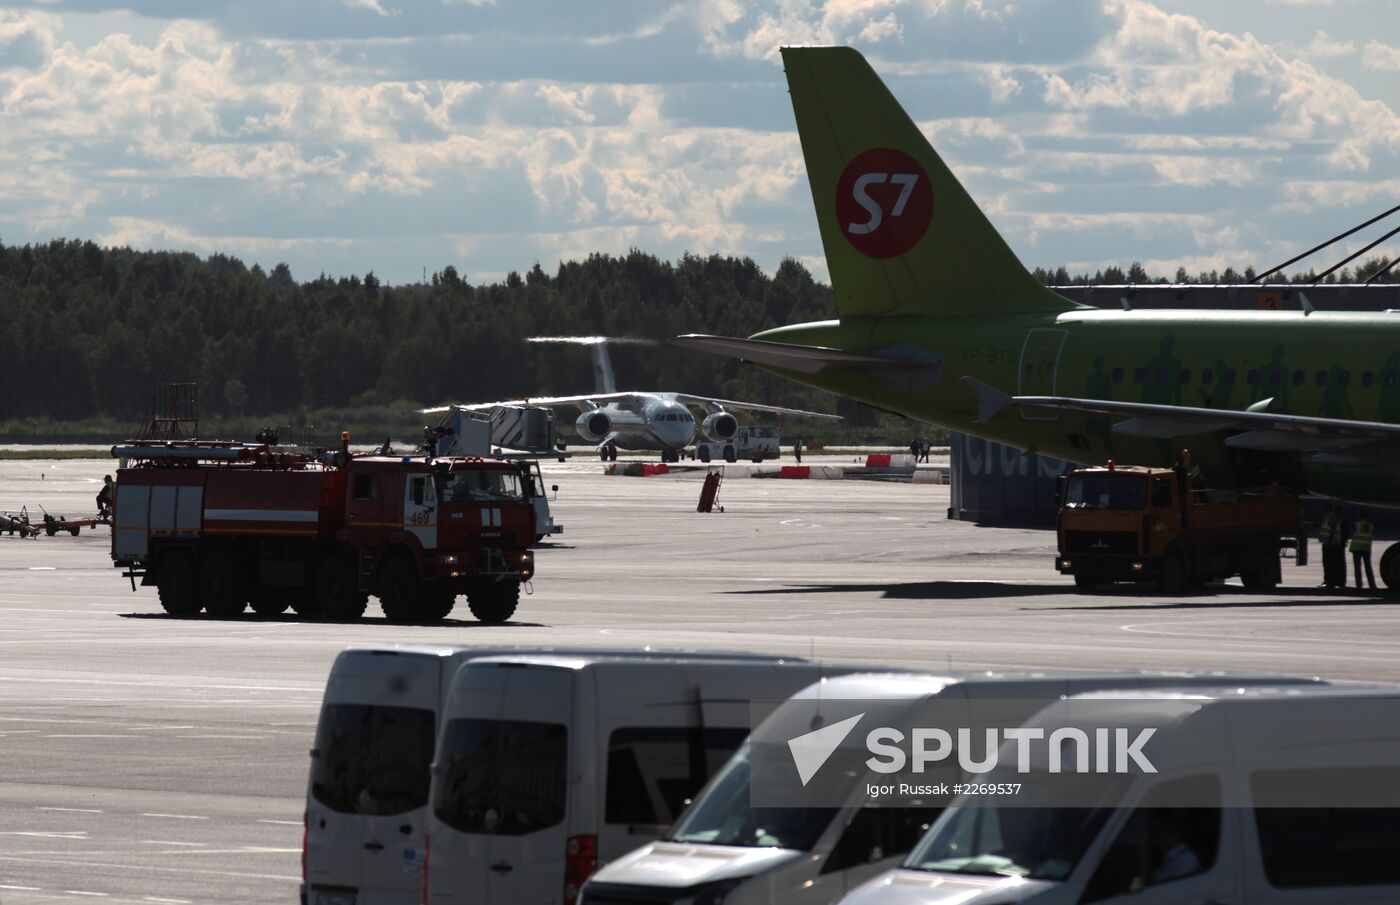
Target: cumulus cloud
[1106, 124]
[1381, 56]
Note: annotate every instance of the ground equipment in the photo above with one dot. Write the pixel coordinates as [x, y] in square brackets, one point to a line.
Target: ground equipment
[749, 442]
[1151, 524]
[18, 523]
[218, 526]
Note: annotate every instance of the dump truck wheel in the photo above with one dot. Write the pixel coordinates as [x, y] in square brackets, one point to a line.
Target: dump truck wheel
[220, 587]
[494, 601]
[177, 585]
[400, 590]
[1174, 576]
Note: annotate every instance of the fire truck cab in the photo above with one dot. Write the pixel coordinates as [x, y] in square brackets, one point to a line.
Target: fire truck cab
[218, 527]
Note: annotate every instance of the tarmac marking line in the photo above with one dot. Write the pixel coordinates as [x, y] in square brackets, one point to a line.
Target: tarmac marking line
[177, 816]
[61, 862]
[73, 810]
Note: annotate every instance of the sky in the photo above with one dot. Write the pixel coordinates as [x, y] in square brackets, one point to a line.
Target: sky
[398, 137]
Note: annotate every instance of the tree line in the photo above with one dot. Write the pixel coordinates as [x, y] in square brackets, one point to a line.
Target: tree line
[86, 331]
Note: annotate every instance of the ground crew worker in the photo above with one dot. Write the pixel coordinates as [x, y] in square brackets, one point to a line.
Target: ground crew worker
[1361, 550]
[104, 497]
[797, 450]
[1332, 535]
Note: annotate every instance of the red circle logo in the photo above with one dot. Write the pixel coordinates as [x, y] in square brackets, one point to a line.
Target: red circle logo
[884, 203]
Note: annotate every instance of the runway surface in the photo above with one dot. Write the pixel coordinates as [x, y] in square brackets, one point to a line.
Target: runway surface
[156, 759]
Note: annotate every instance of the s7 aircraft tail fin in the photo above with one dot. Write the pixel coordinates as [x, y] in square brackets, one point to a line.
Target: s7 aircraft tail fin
[902, 236]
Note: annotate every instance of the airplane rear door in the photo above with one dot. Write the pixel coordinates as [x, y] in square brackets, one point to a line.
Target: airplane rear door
[1040, 358]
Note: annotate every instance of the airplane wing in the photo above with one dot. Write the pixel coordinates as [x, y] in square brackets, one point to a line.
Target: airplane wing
[597, 399]
[749, 406]
[802, 359]
[1256, 428]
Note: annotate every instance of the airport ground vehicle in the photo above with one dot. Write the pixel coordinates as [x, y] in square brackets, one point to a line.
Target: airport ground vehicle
[368, 786]
[549, 765]
[1151, 524]
[220, 526]
[723, 849]
[1261, 817]
[748, 442]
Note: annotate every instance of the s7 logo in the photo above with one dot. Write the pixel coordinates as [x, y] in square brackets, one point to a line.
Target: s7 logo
[875, 214]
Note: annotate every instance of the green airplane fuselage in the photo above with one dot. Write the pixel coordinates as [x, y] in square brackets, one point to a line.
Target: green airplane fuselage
[1331, 364]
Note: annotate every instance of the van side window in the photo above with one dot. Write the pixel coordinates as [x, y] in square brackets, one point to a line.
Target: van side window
[1326, 847]
[366, 487]
[1161, 843]
[875, 834]
[654, 770]
[502, 777]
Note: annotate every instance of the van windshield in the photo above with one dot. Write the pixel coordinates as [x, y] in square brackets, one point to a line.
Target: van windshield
[372, 759]
[481, 485]
[1040, 843]
[502, 777]
[722, 816]
[1101, 490]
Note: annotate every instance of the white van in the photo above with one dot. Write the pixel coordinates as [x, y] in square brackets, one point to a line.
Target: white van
[1244, 810]
[550, 765]
[725, 850]
[367, 794]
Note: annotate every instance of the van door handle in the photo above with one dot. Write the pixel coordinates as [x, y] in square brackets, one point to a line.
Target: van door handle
[502, 867]
[375, 846]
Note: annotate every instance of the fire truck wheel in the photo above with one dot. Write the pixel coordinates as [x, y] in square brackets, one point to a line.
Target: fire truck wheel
[434, 607]
[337, 593]
[1086, 584]
[400, 590]
[177, 586]
[494, 601]
[269, 602]
[220, 586]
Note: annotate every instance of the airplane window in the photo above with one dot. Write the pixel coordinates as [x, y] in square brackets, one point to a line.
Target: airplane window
[1299, 378]
[1140, 375]
[1321, 379]
[1344, 378]
[1367, 378]
[1117, 375]
[1185, 375]
[1208, 376]
[1253, 378]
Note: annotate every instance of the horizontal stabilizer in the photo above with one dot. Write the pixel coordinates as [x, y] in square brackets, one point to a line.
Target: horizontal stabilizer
[787, 357]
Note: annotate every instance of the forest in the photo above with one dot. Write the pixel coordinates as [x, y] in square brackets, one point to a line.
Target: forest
[86, 332]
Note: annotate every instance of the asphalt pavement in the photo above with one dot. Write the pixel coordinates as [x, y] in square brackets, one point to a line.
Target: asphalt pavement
[149, 758]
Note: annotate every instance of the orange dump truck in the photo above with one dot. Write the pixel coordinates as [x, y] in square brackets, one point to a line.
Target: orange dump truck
[1151, 525]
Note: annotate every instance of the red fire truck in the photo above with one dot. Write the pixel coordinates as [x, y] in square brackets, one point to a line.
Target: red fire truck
[220, 526]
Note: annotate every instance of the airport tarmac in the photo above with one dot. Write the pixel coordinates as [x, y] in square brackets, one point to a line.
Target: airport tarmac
[157, 759]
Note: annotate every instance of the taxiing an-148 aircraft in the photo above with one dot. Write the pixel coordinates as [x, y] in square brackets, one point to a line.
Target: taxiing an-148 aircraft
[939, 321]
[635, 419]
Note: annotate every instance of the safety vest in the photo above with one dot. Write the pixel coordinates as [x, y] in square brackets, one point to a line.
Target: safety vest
[1361, 540]
[1329, 533]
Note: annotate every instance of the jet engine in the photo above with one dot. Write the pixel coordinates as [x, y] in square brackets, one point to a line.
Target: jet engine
[720, 426]
[593, 426]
